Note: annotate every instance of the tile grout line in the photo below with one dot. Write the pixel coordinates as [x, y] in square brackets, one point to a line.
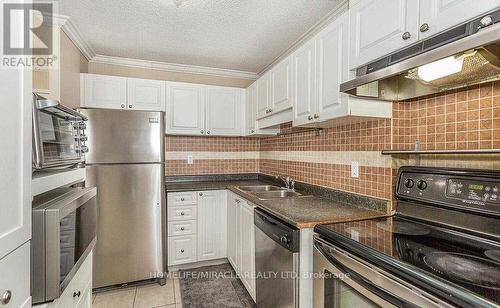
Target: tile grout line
[135, 295]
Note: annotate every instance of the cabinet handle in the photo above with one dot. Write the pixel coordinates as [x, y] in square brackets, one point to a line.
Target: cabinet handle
[6, 296]
[270, 110]
[310, 118]
[202, 131]
[201, 194]
[76, 294]
[208, 132]
[123, 105]
[252, 131]
[182, 199]
[424, 27]
[130, 106]
[182, 213]
[406, 35]
[237, 200]
[182, 250]
[182, 228]
[316, 116]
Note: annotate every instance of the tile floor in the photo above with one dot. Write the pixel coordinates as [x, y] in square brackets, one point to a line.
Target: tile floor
[147, 296]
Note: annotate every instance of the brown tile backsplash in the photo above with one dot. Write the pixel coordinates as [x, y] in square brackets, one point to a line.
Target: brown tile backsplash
[467, 118]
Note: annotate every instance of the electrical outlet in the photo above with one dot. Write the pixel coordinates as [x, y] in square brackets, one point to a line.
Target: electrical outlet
[355, 169]
[190, 159]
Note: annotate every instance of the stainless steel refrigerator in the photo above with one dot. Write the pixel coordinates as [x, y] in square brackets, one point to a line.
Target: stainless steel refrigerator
[125, 161]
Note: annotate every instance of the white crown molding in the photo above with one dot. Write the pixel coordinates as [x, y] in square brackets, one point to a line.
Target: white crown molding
[317, 27]
[76, 37]
[173, 67]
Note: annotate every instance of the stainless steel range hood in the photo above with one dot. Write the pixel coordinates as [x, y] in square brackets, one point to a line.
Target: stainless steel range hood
[465, 55]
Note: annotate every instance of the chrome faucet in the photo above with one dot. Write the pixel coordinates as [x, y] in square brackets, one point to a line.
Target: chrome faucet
[289, 182]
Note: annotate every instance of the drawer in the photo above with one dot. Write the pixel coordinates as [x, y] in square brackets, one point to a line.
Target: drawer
[15, 276]
[78, 285]
[176, 228]
[181, 249]
[177, 213]
[182, 198]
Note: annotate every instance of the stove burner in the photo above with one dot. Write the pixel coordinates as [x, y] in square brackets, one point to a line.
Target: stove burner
[401, 227]
[493, 254]
[465, 268]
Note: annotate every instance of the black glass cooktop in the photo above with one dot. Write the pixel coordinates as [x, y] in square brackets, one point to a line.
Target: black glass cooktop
[461, 259]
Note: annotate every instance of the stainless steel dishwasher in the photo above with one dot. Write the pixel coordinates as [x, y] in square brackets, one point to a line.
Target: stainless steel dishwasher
[276, 262]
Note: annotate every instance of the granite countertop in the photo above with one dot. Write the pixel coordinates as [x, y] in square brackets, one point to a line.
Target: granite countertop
[302, 212]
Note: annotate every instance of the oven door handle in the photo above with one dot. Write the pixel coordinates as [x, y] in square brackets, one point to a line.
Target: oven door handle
[365, 283]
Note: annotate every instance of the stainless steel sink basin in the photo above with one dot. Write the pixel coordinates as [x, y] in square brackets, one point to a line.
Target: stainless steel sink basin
[276, 194]
[259, 188]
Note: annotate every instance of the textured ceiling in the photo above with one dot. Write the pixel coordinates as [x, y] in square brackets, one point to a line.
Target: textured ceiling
[242, 35]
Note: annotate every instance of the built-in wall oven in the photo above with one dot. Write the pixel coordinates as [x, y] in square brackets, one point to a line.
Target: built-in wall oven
[58, 134]
[64, 233]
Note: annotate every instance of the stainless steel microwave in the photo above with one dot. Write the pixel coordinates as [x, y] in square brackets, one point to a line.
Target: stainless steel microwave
[64, 233]
[58, 134]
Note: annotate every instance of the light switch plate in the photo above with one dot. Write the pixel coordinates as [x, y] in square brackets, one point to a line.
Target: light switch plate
[355, 169]
[190, 159]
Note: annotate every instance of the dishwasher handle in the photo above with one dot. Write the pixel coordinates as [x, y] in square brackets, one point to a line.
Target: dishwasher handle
[282, 233]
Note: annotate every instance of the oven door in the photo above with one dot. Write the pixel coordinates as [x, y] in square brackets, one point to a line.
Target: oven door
[71, 229]
[56, 136]
[343, 280]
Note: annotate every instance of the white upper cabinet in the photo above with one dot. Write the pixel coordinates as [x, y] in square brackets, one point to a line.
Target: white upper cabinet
[145, 94]
[224, 111]
[332, 68]
[101, 91]
[303, 87]
[251, 125]
[438, 15]
[212, 225]
[281, 82]
[263, 95]
[379, 27]
[112, 92]
[185, 112]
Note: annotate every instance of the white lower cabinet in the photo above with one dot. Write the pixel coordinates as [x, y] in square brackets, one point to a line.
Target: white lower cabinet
[196, 226]
[181, 249]
[15, 277]
[241, 240]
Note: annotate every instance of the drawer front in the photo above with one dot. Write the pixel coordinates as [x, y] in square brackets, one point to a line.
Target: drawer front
[76, 290]
[181, 249]
[182, 198]
[177, 228]
[179, 213]
[15, 276]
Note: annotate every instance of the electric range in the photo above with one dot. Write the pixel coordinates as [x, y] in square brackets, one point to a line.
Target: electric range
[440, 248]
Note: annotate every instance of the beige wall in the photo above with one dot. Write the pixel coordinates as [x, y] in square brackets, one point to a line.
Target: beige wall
[72, 62]
[135, 72]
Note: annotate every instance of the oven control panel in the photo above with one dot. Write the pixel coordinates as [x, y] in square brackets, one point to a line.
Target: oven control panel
[477, 191]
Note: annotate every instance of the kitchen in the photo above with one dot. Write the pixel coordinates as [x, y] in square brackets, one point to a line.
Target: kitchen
[343, 154]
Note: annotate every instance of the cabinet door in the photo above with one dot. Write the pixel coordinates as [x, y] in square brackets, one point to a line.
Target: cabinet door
[439, 15]
[280, 86]
[212, 225]
[251, 109]
[15, 277]
[181, 249]
[144, 94]
[378, 27]
[101, 91]
[263, 93]
[185, 109]
[224, 111]
[232, 229]
[15, 159]
[304, 84]
[332, 69]
[247, 240]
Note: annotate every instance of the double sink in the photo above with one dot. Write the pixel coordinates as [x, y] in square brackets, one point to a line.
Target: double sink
[267, 192]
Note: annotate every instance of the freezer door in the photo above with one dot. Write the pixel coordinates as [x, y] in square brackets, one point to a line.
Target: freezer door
[129, 238]
[117, 136]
